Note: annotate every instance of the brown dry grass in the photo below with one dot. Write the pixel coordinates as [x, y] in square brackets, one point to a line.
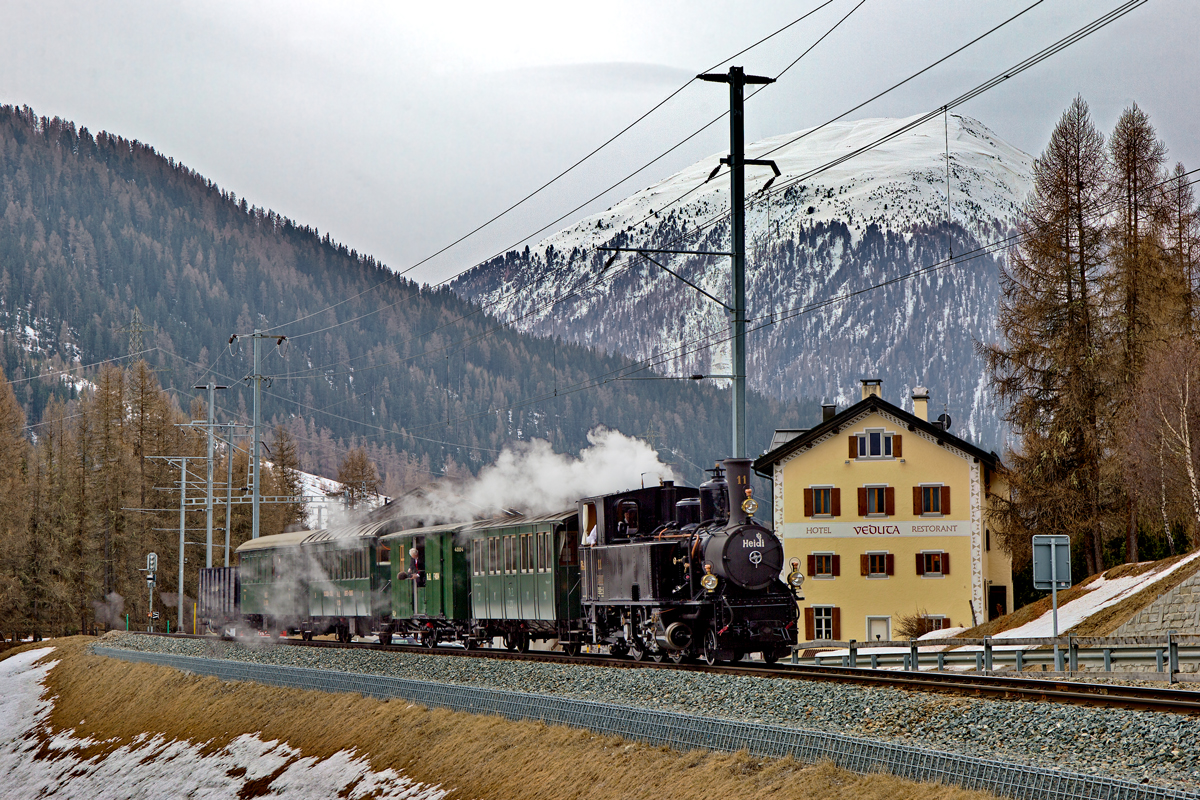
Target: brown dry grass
[1104, 622]
[481, 757]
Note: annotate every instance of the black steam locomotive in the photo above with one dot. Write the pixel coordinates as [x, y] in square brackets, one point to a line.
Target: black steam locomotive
[673, 572]
[660, 572]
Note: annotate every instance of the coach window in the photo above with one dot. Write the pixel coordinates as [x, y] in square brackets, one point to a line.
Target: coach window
[568, 550]
[526, 552]
[385, 554]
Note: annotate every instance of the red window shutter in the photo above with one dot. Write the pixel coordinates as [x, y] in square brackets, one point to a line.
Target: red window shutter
[918, 508]
[808, 502]
[812, 565]
[891, 564]
[864, 565]
[862, 501]
[835, 502]
[945, 499]
[854, 447]
[837, 624]
[809, 624]
[920, 563]
[837, 565]
[897, 450]
[945, 563]
[889, 500]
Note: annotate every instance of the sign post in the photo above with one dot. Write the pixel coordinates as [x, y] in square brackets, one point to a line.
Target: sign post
[1052, 570]
[151, 570]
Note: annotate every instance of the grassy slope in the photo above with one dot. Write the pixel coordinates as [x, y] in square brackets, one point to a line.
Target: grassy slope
[482, 757]
[1107, 620]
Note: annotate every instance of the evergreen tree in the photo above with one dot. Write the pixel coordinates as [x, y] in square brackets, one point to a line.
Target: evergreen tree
[287, 477]
[1049, 367]
[1141, 292]
[358, 477]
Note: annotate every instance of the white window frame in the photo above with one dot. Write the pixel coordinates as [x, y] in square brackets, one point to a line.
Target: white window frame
[820, 620]
[927, 574]
[827, 488]
[817, 575]
[886, 452]
[886, 619]
[939, 487]
[878, 576]
[882, 487]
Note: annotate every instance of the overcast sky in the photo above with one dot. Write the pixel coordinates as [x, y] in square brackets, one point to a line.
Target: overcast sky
[398, 127]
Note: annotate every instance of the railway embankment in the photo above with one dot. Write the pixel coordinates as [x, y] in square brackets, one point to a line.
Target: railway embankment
[128, 729]
[1142, 746]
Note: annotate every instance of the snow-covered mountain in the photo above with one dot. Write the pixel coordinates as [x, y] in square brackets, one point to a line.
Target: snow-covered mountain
[833, 236]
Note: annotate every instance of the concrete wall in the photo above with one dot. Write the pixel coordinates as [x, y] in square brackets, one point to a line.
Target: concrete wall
[1178, 610]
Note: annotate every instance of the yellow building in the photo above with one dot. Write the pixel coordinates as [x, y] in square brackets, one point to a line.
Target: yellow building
[885, 512]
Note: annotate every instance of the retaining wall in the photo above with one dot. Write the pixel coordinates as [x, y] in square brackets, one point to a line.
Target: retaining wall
[1177, 610]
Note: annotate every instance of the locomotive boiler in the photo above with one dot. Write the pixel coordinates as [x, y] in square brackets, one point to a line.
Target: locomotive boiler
[672, 572]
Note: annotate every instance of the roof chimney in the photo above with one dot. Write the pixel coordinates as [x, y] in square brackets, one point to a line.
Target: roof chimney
[872, 386]
[921, 403]
[828, 411]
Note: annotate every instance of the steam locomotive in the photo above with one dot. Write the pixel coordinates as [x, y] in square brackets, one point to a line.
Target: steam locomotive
[660, 572]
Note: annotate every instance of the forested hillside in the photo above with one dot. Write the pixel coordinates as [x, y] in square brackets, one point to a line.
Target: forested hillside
[108, 247]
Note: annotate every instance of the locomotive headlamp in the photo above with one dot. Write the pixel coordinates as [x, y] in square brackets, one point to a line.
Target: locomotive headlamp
[709, 581]
[750, 505]
[796, 579]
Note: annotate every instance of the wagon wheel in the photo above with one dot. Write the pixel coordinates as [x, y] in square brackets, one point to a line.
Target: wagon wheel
[429, 638]
[523, 643]
[511, 641]
[709, 654]
[385, 638]
[570, 647]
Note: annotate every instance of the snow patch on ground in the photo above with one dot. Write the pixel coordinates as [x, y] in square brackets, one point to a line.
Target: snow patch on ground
[1101, 593]
[37, 764]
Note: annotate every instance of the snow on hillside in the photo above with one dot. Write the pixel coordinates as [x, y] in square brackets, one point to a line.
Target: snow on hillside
[324, 506]
[898, 184]
[874, 218]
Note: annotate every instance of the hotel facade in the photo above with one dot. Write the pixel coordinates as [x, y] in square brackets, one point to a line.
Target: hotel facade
[886, 515]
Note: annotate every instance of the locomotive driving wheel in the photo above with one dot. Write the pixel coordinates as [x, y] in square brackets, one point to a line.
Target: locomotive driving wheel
[710, 651]
[637, 651]
[677, 656]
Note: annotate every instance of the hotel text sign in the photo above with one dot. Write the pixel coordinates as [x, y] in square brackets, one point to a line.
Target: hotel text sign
[875, 529]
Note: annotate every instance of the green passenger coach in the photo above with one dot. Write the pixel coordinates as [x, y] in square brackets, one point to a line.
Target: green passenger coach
[430, 586]
[525, 579]
[272, 591]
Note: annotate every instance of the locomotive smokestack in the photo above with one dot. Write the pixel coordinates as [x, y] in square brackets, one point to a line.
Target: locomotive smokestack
[737, 473]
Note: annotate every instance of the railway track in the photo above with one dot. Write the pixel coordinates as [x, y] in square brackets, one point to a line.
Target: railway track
[1145, 698]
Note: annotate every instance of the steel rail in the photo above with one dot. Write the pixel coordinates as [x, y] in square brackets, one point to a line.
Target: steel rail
[1142, 698]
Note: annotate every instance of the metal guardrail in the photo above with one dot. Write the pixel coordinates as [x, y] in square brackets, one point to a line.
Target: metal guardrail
[686, 732]
[1069, 655]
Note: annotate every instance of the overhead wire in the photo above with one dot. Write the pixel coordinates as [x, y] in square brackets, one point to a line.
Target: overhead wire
[559, 176]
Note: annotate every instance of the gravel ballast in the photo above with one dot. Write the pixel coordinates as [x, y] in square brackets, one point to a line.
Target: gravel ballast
[1153, 747]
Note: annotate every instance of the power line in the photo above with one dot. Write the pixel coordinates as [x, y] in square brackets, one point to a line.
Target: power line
[560, 175]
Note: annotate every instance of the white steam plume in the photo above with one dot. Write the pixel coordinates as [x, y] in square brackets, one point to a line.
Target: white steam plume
[530, 477]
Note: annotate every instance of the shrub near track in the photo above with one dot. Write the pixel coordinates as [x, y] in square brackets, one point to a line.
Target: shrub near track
[480, 756]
